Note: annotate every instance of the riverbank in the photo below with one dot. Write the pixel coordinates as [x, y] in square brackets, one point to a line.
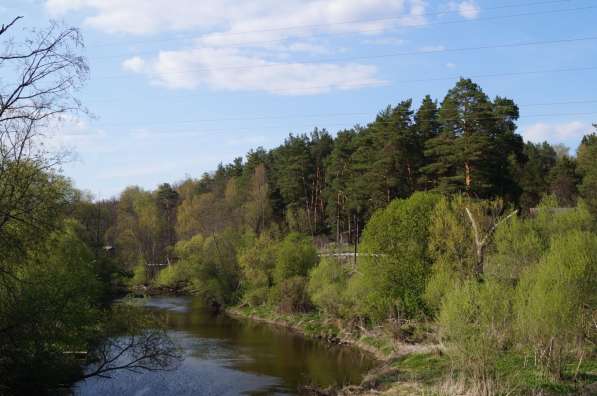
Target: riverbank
[404, 368]
[419, 368]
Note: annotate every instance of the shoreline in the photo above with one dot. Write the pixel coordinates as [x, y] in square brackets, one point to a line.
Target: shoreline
[298, 328]
[388, 375]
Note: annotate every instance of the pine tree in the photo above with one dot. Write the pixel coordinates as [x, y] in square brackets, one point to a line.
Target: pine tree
[587, 167]
[540, 159]
[339, 172]
[426, 127]
[476, 144]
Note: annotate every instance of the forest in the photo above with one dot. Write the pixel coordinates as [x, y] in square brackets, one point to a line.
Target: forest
[434, 223]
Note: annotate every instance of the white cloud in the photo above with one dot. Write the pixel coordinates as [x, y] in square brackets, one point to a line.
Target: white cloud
[143, 16]
[450, 65]
[232, 70]
[555, 133]
[269, 32]
[467, 9]
[134, 64]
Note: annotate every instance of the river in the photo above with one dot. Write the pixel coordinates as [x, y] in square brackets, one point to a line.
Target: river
[229, 356]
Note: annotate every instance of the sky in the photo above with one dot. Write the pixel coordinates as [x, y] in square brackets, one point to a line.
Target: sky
[178, 86]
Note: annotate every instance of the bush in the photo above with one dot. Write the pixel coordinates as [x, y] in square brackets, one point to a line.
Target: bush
[212, 266]
[475, 322]
[520, 243]
[390, 283]
[290, 295]
[175, 274]
[555, 301]
[139, 274]
[295, 256]
[257, 263]
[327, 287]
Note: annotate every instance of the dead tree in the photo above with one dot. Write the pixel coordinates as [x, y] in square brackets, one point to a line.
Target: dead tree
[481, 241]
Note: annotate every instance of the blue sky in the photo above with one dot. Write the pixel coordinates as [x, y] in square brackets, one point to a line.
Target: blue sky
[177, 86]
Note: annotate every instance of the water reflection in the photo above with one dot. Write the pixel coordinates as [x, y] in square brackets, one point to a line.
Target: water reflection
[226, 356]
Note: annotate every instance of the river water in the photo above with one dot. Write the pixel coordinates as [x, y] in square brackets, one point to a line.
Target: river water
[229, 356]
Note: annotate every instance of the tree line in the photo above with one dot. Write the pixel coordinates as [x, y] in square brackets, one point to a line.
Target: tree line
[328, 187]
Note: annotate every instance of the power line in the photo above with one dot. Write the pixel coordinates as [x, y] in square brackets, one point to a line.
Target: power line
[355, 21]
[253, 43]
[223, 131]
[359, 84]
[146, 126]
[380, 56]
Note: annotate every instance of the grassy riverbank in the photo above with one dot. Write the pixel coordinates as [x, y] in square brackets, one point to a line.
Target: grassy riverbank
[419, 368]
[402, 367]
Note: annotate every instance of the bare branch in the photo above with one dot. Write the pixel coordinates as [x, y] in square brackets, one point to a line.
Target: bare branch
[4, 28]
[482, 242]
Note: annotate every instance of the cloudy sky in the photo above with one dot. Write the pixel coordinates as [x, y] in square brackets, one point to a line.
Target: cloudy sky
[177, 86]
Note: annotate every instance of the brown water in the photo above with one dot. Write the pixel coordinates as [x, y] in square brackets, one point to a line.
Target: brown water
[228, 356]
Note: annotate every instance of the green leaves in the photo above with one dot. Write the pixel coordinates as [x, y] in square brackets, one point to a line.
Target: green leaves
[390, 281]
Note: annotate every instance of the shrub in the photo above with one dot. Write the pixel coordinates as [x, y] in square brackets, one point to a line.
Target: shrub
[452, 245]
[555, 300]
[211, 266]
[175, 274]
[139, 274]
[327, 287]
[295, 256]
[257, 263]
[290, 295]
[475, 323]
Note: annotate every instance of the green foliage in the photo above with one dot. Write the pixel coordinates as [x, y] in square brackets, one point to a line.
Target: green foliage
[139, 275]
[453, 246]
[475, 321]
[290, 295]
[555, 301]
[520, 243]
[390, 282]
[51, 309]
[540, 159]
[257, 263]
[214, 267]
[175, 274]
[587, 168]
[295, 256]
[327, 287]
[476, 145]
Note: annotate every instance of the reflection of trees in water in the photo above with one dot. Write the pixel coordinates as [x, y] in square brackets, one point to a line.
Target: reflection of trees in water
[135, 341]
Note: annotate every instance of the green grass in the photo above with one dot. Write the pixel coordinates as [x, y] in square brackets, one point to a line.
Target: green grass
[381, 343]
[426, 368]
[529, 378]
[311, 324]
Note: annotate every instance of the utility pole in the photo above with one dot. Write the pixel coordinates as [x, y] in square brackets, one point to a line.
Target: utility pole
[356, 240]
